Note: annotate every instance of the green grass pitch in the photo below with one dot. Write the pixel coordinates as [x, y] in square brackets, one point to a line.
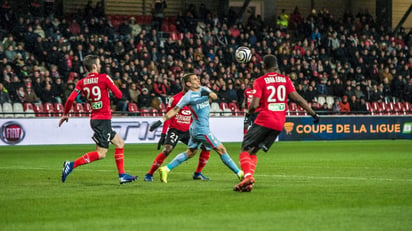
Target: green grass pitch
[334, 185]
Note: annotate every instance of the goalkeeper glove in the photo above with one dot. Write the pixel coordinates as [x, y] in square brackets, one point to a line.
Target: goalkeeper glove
[161, 141]
[247, 119]
[155, 125]
[204, 93]
[316, 118]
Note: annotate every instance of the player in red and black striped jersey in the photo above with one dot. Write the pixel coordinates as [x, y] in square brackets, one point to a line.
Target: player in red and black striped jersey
[95, 88]
[174, 130]
[271, 92]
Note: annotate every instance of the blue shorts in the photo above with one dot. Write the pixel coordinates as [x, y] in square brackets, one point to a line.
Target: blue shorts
[208, 140]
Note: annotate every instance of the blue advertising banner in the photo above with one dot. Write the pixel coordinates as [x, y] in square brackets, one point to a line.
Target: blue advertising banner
[347, 128]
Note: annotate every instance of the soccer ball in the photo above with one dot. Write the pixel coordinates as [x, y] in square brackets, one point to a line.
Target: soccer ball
[243, 54]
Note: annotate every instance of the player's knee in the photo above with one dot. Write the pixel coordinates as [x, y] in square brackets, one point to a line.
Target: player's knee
[221, 149]
[102, 154]
[191, 152]
[167, 150]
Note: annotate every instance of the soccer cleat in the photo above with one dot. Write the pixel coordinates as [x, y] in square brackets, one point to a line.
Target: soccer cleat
[200, 176]
[126, 178]
[244, 186]
[163, 173]
[148, 177]
[67, 169]
[240, 175]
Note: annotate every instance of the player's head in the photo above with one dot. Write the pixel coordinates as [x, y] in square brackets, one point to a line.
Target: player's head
[270, 63]
[191, 81]
[92, 63]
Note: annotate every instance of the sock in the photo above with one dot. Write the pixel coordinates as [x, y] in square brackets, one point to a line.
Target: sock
[253, 158]
[86, 158]
[245, 163]
[182, 157]
[229, 163]
[158, 161]
[203, 158]
[119, 158]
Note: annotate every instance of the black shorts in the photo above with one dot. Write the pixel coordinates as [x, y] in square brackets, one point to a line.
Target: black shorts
[174, 136]
[259, 137]
[103, 132]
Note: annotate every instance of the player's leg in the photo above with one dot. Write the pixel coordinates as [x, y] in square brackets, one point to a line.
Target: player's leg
[101, 139]
[210, 141]
[118, 143]
[172, 138]
[203, 159]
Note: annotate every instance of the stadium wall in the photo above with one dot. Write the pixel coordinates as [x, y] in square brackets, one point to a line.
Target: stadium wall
[44, 131]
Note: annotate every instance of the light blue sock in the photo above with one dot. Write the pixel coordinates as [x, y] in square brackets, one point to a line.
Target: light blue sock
[229, 162]
[182, 157]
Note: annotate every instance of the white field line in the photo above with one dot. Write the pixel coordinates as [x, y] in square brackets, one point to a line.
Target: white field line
[282, 176]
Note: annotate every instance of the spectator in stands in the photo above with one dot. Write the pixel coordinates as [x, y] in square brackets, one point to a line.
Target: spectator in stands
[158, 7]
[144, 100]
[30, 95]
[4, 94]
[134, 93]
[344, 105]
[135, 27]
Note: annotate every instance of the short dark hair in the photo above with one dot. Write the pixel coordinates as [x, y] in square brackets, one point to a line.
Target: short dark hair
[89, 60]
[270, 61]
[186, 77]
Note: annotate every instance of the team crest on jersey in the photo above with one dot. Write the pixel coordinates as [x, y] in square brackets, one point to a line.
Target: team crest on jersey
[186, 112]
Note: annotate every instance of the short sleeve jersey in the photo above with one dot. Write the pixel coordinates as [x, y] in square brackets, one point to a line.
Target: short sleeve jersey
[200, 108]
[95, 87]
[273, 90]
[183, 119]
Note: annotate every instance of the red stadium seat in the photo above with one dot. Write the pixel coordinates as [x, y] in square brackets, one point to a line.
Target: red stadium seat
[154, 112]
[293, 108]
[87, 108]
[58, 109]
[28, 106]
[374, 107]
[78, 110]
[132, 107]
[399, 108]
[38, 109]
[145, 112]
[49, 108]
[390, 108]
[382, 108]
[234, 108]
[369, 108]
[407, 107]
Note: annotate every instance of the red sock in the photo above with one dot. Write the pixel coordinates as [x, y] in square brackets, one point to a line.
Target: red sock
[119, 158]
[158, 161]
[245, 163]
[253, 158]
[86, 158]
[203, 159]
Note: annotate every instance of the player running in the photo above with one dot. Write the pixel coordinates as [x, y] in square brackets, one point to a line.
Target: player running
[270, 97]
[177, 129]
[197, 99]
[95, 87]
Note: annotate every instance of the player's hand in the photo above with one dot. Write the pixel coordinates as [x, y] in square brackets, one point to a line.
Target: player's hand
[155, 125]
[204, 93]
[64, 118]
[316, 118]
[161, 141]
[247, 119]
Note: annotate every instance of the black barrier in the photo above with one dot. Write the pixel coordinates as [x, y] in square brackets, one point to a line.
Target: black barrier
[347, 128]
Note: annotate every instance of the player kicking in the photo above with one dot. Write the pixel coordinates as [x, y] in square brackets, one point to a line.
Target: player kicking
[270, 97]
[177, 129]
[95, 87]
[197, 99]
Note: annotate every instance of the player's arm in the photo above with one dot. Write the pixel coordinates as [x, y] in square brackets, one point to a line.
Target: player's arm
[207, 92]
[165, 118]
[253, 105]
[302, 102]
[68, 106]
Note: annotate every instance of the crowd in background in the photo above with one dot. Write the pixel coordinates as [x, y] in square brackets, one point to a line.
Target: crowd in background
[350, 58]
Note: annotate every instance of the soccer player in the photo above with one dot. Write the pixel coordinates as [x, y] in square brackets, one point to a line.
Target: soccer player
[197, 98]
[248, 121]
[270, 97]
[95, 87]
[177, 129]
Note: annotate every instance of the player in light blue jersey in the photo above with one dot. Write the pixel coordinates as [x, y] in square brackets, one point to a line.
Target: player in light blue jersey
[197, 99]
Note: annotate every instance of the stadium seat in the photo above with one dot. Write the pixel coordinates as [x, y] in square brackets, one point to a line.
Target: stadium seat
[58, 109]
[374, 108]
[48, 108]
[78, 110]
[145, 112]
[369, 108]
[29, 110]
[132, 107]
[382, 108]
[87, 108]
[215, 109]
[38, 109]
[330, 100]
[8, 110]
[390, 108]
[400, 108]
[234, 108]
[407, 107]
[1, 111]
[321, 100]
[293, 108]
[154, 112]
[18, 110]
